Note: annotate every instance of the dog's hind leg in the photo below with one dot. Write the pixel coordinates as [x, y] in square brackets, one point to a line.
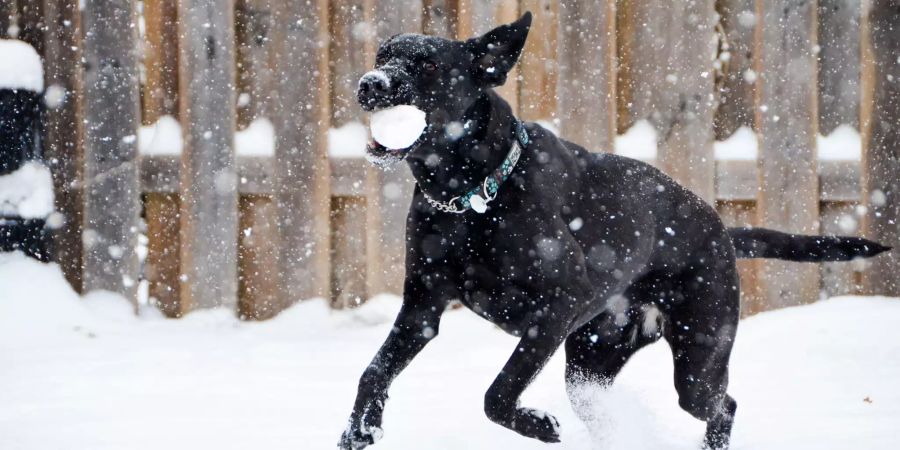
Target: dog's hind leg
[701, 336]
[597, 351]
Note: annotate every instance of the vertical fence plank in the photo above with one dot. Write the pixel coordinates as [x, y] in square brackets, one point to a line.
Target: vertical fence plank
[254, 27]
[258, 255]
[881, 143]
[209, 199]
[639, 42]
[302, 174]
[786, 118]
[258, 294]
[838, 278]
[440, 18]
[63, 130]
[686, 131]
[355, 222]
[8, 17]
[348, 246]
[31, 24]
[160, 95]
[350, 45]
[736, 93]
[476, 17]
[163, 259]
[538, 66]
[161, 210]
[742, 214]
[671, 84]
[587, 73]
[839, 64]
[395, 185]
[111, 188]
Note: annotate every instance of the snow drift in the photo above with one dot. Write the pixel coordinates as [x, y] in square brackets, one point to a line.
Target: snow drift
[86, 373]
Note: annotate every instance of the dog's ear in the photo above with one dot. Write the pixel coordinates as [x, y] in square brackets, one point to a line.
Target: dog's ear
[496, 52]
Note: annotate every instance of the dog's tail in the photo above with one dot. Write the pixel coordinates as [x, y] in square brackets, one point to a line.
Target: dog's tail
[765, 243]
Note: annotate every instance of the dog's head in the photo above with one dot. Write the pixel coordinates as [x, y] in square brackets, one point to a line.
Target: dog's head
[439, 76]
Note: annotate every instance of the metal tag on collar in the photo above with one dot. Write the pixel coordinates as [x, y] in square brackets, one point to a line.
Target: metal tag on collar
[478, 204]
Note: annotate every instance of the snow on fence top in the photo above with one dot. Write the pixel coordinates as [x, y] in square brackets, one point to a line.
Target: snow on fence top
[258, 139]
[843, 143]
[164, 138]
[348, 141]
[27, 192]
[640, 142]
[742, 145]
[20, 66]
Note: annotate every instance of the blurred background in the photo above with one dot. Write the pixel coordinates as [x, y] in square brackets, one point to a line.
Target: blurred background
[211, 153]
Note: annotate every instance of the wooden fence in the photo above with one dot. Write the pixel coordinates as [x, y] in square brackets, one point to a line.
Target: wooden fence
[257, 233]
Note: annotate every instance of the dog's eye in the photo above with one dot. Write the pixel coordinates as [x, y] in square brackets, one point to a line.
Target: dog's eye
[429, 66]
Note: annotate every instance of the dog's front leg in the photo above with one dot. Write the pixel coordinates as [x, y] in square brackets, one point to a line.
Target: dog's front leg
[501, 402]
[416, 324]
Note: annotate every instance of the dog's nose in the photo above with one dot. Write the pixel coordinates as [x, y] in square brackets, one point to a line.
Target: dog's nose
[374, 89]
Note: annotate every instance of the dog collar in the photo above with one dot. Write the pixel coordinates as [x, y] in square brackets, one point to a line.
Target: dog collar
[478, 198]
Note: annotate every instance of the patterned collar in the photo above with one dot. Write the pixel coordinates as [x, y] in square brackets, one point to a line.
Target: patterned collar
[478, 198]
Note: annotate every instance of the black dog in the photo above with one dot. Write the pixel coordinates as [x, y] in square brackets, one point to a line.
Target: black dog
[599, 252]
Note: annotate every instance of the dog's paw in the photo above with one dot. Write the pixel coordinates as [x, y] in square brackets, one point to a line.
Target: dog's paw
[358, 438]
[537, 424]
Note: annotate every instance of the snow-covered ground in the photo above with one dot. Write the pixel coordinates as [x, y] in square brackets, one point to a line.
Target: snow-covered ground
[88, 374]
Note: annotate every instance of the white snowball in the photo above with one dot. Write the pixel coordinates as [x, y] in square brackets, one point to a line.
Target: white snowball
[398, 127]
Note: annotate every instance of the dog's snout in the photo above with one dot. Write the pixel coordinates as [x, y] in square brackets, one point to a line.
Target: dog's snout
[374, 89]
[374, 84]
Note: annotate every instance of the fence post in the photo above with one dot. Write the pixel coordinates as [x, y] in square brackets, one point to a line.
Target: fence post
[254, 25]
[881, 141]
[393, 187]
[476, 17]
[786, 117]
[161, 210]
[839, 91]
[538, 65]
[258, 293]
[31, 24]
[111, 187]
[672, 85]
[839, 64]
[440, 18]
[736, 90]
[355, 229]
[258, 251]
[587, 73]
[737, 87]
[7, 18]
[209, 209]
[161, 60]
[302, 174]
[63, 130]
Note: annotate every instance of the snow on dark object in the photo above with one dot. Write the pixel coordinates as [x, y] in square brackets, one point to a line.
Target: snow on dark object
[20, 66]
[26, 189]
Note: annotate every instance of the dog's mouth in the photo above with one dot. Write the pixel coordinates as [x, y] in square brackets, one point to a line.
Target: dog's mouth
[391, 129]
[383, 157]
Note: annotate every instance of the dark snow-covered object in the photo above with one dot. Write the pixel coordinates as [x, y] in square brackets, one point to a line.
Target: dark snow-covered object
[26, 190]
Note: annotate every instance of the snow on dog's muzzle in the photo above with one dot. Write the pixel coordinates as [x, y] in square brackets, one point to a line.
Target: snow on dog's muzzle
[395, 131]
